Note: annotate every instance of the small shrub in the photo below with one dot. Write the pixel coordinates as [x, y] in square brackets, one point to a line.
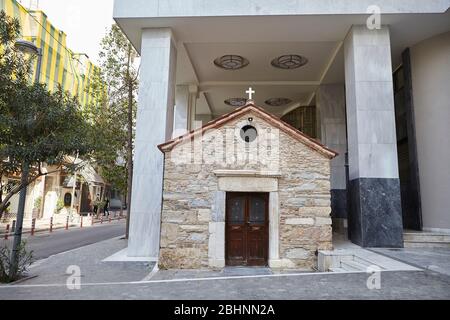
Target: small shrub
[59, 206]
[25, 261]
[38, 203]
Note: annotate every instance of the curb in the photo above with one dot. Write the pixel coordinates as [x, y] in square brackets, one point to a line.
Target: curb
[72, 227]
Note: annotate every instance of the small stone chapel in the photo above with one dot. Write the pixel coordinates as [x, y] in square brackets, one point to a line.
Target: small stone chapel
[246, 189]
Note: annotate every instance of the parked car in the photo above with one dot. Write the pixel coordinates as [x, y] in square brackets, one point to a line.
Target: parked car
[115, 204]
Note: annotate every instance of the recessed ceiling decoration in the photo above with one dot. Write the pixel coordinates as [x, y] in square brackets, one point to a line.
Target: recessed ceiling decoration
[236, 102]
[231, 62]
[289, 62]
[278, 102]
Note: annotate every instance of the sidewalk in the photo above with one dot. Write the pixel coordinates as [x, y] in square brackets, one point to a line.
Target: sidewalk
[135, 280]
[59, 222]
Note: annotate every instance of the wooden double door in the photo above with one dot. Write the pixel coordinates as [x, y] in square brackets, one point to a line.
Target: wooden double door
[247, 229]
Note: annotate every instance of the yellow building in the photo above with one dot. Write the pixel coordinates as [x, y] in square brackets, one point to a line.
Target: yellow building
[59, 64]
[73, 71]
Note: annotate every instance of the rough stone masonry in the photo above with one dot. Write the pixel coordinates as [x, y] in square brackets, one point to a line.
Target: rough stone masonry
[193, 219]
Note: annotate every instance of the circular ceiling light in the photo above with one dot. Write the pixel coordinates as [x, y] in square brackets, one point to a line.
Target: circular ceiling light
[236, 102]
[231, 62]
[278, 102]
[289, 62]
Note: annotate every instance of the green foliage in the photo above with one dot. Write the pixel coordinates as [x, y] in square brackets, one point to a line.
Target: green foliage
[59, 206]
[99, 204]
[25, 260]
[110, 114]
[118, 64]
[38, 203]
[36, 126]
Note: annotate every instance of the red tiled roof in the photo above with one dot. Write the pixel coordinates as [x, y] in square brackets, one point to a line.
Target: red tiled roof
[251, 107]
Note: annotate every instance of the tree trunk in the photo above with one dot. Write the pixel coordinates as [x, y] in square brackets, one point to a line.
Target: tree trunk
[19, 224]
[4, 204]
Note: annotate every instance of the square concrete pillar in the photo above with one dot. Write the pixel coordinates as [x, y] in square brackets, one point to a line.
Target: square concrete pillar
[154, 126]
[330, 101]
[181, 111]
[185, 109]
[375, 217]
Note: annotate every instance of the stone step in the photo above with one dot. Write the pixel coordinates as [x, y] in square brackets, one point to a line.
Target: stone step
[367, 264]
[358, 260]
[351, 265]
[426, 240]
[337, 270]
[428, 244]
[426, 237]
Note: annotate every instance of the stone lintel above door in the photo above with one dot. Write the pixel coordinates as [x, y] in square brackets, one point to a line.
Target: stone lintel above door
[247, 181]
[247, 173]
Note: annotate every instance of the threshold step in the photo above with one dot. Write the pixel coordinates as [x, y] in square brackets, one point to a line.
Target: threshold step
[427, 237]
[337, 270]
[428, 244]
[353, 266]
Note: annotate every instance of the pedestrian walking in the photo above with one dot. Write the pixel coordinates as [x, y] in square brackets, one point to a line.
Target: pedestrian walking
[96, 206]
[106, 208]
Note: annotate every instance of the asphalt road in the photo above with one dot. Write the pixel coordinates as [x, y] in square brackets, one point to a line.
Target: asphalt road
[46, 245]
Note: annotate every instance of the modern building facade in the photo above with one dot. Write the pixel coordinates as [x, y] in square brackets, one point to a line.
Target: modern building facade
[370, 79]
[59, 64]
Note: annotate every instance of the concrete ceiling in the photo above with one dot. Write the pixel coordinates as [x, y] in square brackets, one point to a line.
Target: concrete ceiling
[260, 55]
[299, 94]
[219, 84]
[200, 40]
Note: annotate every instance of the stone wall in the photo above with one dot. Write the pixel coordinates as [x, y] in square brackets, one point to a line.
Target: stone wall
[191, 215]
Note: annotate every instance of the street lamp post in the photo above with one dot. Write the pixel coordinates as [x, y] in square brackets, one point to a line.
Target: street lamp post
[26, 47]
[29, 47]
[72, 202]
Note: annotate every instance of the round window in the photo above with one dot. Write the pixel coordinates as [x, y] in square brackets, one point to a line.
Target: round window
[249, 133]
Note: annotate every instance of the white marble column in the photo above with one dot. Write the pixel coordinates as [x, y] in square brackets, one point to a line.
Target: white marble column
[330, 101]
[185, 109]
[274, 231]
[193, 97]
[375, 218]
[154, 126]
[181, 111]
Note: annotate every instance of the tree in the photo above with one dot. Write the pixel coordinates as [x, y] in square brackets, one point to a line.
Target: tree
[36, 127]
[110, 122]
[120, 73]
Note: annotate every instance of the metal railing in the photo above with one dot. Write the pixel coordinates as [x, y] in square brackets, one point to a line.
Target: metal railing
[34, 226]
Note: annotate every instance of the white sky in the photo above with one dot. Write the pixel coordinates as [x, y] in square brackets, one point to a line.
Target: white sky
[84, 21]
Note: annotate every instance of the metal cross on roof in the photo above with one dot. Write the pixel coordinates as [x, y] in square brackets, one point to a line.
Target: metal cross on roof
[250, 93]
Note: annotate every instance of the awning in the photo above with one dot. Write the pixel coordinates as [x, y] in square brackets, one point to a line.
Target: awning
[88, 173]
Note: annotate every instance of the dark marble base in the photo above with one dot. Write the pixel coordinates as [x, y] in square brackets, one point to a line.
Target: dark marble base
[375, 213]
[339, 204]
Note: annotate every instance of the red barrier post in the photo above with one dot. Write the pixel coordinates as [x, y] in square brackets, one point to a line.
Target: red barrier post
[67, 223]
[7, 232]
[33, 226]
[101, 220]
[51, 224]
[13, 228]
[81, 222]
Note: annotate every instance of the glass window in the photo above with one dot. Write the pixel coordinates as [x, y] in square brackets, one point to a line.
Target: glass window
[237, 210]
[257, 210]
